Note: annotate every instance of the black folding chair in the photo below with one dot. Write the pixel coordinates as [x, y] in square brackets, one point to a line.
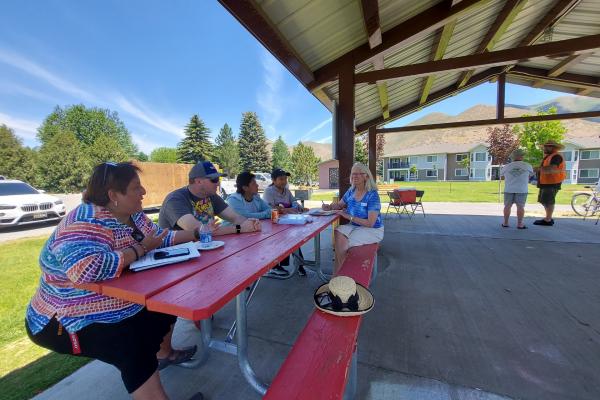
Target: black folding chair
[418, 203]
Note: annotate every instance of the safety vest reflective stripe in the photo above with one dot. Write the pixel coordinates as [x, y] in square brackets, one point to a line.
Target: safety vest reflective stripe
[547, 178]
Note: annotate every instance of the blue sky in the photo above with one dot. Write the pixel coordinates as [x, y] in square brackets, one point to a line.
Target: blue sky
[157, 63]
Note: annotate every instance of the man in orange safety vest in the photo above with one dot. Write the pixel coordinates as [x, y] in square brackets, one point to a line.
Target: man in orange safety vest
[551, 174]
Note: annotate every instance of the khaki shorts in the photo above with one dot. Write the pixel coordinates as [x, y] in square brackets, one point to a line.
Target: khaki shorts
[359, 235]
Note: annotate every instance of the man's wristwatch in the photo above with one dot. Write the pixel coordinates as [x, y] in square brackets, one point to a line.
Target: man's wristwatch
[351, 218]
[238, 229]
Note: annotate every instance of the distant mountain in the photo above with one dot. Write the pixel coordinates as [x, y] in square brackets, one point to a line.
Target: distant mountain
[567, 104]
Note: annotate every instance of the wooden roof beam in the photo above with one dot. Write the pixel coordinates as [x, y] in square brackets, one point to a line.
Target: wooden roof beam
[438, 53]
[490, 59]
[565, 79]
[435, 97]
[503, 20]
[496, 121]
[370, 10]
[401, 35]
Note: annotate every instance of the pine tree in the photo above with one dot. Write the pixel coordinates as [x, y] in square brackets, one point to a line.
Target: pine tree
[227, 153]
[254, 155]
[196, 145]
[63, 165]
[281, 154]
[305, 167]
[360, 151]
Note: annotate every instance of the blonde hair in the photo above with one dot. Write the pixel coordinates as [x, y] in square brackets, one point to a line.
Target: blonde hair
[370, 183]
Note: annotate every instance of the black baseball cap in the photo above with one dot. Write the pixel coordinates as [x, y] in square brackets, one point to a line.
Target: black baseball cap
[205, 169]
[279, 172]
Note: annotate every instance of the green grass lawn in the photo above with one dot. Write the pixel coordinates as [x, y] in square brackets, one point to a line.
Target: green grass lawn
[25, 368]
[469, 192]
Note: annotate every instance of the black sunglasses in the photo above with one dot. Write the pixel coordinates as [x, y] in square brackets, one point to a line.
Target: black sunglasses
[214, 180]
[106, 165]
[331, 301]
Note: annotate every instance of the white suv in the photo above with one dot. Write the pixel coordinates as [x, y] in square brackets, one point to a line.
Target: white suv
[22, 204]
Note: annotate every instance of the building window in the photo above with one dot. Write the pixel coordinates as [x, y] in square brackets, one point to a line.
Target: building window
[460, 157]
[460, 172]
[478, 173]
[412, 160]
[432, 173]
[588, 173]
[590, 155]
[567, 155]
[479, 157]
[431, 159]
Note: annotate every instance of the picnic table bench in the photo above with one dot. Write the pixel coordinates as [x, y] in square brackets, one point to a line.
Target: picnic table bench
[322, 363]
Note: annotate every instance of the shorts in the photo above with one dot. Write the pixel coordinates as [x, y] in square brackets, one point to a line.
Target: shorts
[547, 196]
[130, 345]
[515, 198]
[359, 235]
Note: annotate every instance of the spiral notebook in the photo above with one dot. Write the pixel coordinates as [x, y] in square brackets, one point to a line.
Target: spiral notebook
[148, 261]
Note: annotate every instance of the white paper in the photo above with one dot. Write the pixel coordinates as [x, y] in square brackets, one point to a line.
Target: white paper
[148, 261]
[320, 211]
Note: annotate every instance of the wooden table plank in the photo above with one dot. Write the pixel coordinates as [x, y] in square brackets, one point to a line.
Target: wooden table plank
[137, 287]
[205, 292]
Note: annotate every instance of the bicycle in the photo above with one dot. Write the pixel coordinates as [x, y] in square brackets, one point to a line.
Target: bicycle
[586, 204]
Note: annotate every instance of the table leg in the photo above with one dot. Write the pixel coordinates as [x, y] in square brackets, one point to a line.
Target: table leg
[242, 346]
[202, 355]
[231, 333]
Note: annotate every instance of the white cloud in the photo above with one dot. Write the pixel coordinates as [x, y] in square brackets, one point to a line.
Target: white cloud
[12, 88]
[130, 107]
[315, 129]
[26, 129]
[148, 117]
[269, 96]
[48, 77]
[144, 144]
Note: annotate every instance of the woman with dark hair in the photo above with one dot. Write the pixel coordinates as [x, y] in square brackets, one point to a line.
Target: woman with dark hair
[94, 242]
[246, 200]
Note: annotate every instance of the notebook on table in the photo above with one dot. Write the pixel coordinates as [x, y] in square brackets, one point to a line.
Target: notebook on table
[166, 255]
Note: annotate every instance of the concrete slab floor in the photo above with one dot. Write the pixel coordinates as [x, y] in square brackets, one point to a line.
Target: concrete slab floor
[464, 310]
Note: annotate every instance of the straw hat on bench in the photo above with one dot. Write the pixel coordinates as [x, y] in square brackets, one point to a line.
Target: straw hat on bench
[344, 297]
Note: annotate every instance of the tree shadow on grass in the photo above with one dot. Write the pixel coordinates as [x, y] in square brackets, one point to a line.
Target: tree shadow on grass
[37, 376]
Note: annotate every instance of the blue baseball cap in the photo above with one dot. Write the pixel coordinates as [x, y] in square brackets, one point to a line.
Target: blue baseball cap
[205, 169]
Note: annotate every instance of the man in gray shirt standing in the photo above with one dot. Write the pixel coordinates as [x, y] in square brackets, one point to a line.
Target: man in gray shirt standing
[197, 203]
[516, 175]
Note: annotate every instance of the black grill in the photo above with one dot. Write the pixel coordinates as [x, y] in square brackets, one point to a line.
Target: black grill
[45, 206]
[29, 207]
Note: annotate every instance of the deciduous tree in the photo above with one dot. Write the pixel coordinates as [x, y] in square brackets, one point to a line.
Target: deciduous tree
[63, 165]
[164, 155]
[305, 168]
[533, 134]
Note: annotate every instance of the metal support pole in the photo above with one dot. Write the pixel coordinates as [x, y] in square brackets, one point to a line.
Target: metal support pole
[206, 338]
[374, 273]
[231, 333]
[242, 342]
[350, 392]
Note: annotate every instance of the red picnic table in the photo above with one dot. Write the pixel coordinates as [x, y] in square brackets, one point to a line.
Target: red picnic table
[198, 288]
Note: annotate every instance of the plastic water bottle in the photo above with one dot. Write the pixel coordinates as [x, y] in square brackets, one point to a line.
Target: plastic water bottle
[205, 233]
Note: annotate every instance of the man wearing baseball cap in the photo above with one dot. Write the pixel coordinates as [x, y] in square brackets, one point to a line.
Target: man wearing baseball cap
[197, 203]
[551, 174]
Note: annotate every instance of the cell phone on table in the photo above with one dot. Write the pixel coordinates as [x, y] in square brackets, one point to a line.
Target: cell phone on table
[162, 254]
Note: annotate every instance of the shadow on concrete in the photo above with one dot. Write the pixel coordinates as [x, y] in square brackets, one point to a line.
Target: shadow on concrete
[464, 310]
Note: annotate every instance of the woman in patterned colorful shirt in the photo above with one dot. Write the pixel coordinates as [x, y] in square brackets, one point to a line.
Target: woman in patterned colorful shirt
[94, 242]
[362, 207]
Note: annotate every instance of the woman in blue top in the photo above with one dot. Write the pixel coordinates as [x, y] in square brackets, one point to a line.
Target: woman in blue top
[362, 207]
[246, 200]
[248, 203]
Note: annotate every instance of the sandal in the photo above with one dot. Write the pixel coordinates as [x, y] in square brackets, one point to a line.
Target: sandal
[522, 227]
[505, 226]
[177, 357]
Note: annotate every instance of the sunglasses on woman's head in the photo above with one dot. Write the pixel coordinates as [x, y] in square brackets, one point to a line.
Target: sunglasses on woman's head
[106, 166]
